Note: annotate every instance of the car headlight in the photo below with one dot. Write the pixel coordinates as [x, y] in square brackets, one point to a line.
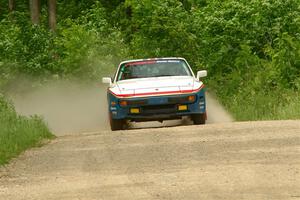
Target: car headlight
[191, 98]
[123, 103]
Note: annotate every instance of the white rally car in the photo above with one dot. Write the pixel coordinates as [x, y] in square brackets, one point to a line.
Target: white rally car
[155, 90]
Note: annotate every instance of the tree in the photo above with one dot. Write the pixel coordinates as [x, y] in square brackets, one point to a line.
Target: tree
[52, 14]
[11, 5]
[35, 11]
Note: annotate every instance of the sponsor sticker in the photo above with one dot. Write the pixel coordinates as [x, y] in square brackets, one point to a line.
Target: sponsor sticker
[113, 108]
[168, 61]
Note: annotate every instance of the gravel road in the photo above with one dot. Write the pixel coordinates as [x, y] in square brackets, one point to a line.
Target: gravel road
[245, 160]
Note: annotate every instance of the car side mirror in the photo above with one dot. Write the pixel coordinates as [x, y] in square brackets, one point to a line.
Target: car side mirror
[200, 74]
[107, 80]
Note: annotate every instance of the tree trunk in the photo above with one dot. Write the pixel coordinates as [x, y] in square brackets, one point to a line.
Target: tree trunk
[11, 5]
[52, 14]
[35, 11]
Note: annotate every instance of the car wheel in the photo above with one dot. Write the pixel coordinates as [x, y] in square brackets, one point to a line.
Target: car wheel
[199, 118]
[116, 124]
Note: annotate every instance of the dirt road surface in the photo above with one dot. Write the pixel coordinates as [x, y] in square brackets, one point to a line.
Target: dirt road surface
[249, 160]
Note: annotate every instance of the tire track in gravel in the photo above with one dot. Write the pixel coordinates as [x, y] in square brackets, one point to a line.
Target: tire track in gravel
[240, 160]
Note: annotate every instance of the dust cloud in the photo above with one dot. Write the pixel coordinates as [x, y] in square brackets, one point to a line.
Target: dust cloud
[215, 111]
[70, 108]
[67, 107]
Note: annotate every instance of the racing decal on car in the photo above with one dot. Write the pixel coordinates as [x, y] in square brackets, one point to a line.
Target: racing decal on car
[140, 63]
[159, 93]
[155, 90]
[151, 62]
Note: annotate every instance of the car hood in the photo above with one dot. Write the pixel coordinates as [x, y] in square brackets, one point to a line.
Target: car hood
[155, 86]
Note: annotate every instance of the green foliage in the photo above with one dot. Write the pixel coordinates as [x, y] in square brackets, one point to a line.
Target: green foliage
[18, 133]
[250, 48]
[72, 9]
[25, 48]
[86, 47]
[286, 60]
[159, 28]
[275, 105]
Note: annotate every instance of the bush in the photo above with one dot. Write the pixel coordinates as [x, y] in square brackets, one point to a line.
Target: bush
[18, 133]
[84, 48]
[158, 29]
[250, 48]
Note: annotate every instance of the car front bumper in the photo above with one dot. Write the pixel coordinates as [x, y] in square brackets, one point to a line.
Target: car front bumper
[157, 107]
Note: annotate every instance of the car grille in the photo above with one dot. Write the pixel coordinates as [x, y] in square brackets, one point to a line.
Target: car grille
[176, 100]
[136, 102]
[179, 100]
[158, 109]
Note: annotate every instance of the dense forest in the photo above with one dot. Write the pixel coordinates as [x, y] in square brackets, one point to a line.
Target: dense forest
[251, 48]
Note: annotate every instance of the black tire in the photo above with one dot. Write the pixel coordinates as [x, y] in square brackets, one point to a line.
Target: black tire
[116, 124]
[199, 118]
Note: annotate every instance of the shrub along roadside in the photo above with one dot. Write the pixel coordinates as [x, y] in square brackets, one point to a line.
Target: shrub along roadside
[251, 49]
[18, 133]
[252, 106]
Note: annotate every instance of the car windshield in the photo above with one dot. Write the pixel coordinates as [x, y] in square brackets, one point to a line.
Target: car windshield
[157, 68]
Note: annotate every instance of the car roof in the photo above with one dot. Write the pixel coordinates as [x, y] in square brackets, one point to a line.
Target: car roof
[148, 59]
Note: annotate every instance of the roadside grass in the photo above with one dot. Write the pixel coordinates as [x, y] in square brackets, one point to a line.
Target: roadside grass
[18, 133]
[276, 105]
